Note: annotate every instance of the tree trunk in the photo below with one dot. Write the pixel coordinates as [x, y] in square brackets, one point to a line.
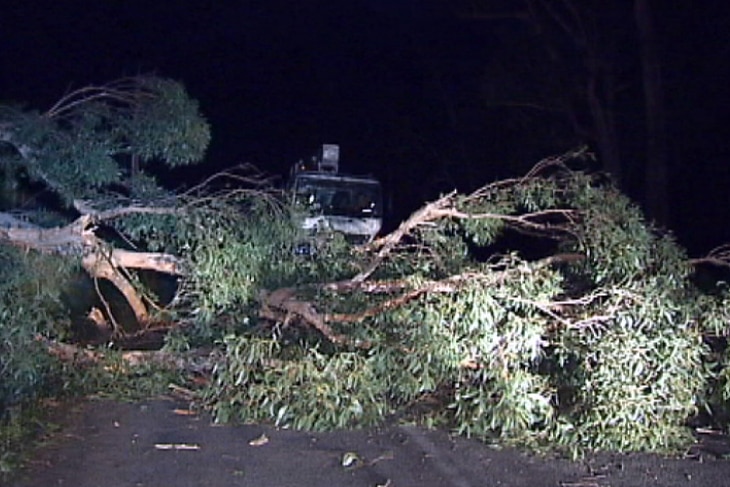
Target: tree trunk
[600, 104]
[98, 259]
[656, 173]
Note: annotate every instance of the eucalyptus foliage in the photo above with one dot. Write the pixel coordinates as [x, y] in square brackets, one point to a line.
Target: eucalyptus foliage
[82, 146]
[343, 386]
[59, 170]
[597, 344]
[85, 161]
[30, 306]
[595, 339]
[233, 248]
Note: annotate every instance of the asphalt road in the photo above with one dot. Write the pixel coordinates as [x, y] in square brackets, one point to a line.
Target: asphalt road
[159, 443]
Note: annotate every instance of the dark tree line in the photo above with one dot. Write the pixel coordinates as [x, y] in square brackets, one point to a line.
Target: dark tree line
[573, 71]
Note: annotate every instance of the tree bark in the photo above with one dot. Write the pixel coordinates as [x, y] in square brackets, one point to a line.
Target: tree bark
[77, 240]
[600, 105]
[656, 173]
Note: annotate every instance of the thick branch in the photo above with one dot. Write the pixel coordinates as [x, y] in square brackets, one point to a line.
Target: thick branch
[99, 267]
[78, 239]
[67, 240]
[196, 361]
[8, 221]
[445, 207]
[281, 305]
[85, 208]
[520, 221]
[388, 243]
[151, 261]
[449, 285]
[283, 301]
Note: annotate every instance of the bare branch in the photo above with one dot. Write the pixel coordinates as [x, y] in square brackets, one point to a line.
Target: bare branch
[99, 267]
[282, 305]
[283, 302]
[84, 208]
[127, 92]
[388, 243]
[522, 221]
[719, 256]
[444, 207]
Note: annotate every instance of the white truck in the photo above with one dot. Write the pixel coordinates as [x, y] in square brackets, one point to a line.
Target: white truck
[331, 201]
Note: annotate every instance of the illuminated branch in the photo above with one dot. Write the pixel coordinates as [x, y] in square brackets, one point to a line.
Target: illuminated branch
[102, 215]
[719, 256]
[127, 92]
[445, 207]
[282, 305]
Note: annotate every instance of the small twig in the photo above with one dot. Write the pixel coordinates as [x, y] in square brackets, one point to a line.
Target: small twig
[257, 178]
[115, 324]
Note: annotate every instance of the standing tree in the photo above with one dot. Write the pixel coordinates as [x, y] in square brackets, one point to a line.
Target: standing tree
[561, 62]
[657, 158]
[568, 70]
[84, 153]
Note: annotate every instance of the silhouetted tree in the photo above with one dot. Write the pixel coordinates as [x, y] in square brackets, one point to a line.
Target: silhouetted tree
[657, 158]
[565, 70]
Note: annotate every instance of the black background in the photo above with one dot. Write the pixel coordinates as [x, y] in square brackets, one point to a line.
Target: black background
[278, 78]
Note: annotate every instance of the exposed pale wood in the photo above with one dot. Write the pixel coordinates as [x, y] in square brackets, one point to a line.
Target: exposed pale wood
[283, 306]
[98, 258]
[100, 268]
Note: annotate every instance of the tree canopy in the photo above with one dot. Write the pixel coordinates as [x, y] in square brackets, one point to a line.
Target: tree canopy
[85, 153]
[541, 310]
[82, 147]
[586, 334]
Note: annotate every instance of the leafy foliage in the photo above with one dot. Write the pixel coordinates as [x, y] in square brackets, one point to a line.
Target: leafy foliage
[30, 304]
[343, 386]
[84, 144]
[84, 152]
[597, 341]
[596, 346]
[235, 245]
[164, 124]
[230, 261]
[639, 388]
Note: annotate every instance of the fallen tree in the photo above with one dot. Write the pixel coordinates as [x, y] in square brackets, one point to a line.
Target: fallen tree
[541, 310]
[585, 333]
[86, 154]
[78, 196]
[97, 257]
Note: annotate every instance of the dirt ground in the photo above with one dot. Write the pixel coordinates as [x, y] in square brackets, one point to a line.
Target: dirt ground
[156, 443]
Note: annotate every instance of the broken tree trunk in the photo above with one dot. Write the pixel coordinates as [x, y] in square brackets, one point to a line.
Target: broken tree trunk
[97, 257]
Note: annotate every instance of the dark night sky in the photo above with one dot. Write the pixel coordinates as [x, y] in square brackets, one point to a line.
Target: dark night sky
[277, 78]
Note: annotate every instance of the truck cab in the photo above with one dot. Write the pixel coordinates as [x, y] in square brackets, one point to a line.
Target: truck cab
[332, 201]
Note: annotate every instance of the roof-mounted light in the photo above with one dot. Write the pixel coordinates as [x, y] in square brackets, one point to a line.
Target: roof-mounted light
[330, 159]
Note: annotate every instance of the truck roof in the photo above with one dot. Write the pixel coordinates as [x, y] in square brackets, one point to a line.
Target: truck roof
[326, 176]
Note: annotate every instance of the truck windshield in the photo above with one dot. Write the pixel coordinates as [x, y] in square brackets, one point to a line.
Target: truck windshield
[340, 196]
